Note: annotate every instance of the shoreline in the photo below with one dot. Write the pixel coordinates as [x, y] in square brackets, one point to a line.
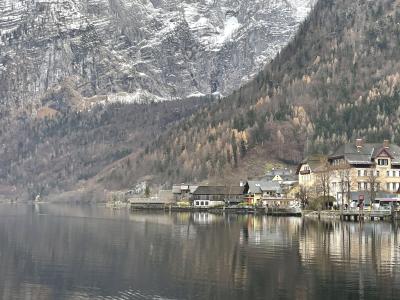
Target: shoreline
[230, 210]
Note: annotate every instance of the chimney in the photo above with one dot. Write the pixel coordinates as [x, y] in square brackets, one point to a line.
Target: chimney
[386, 144]
[359, 144]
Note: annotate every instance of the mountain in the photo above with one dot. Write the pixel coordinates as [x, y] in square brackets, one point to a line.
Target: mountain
[337, 80]
[65, 151]
[61, 53]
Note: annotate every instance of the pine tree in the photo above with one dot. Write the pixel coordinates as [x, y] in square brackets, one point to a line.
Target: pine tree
[147, 192]
[234, 149]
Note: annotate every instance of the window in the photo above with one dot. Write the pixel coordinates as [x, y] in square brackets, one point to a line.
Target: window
[359, 186]
[359, 173]
[387, 173]
[394, 173]
[202, 203]
[383, 162]
[394, 186]
[365, 185]
[207, 203]
[365, 173]
[197, 203]
[388, 186]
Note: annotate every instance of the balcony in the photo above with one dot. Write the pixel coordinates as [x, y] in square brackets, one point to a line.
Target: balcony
[305, 172]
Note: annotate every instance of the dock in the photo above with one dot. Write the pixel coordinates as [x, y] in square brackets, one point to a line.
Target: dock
[284, 211]
[357, 215]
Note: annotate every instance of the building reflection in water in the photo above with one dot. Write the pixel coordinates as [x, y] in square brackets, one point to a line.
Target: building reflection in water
[351, 244]
[56, 252]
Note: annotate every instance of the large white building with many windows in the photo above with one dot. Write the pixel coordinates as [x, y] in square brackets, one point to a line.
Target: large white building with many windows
[356, 167]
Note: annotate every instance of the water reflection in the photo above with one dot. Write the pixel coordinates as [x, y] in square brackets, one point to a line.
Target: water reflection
[86, 252]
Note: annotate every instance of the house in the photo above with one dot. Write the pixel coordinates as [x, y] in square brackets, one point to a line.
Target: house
[183, 192]
[261, 189]
[308, 171]
[280, 175]
[211, 196]
[286, 178]
[268, 194]
[364, 167]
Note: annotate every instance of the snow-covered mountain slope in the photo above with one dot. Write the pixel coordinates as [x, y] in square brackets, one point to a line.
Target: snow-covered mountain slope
[125, 50]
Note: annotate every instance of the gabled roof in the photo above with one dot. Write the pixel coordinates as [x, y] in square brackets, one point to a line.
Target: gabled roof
[219, 190]
[178, 188]
[280, 172]
[254, 187]
[260, 186]
[271, 186]
[367, 153]
[315, 162]
[285, 174]
[354, 155]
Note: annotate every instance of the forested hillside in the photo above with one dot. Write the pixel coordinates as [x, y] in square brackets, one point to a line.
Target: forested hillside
[336, 80]
[55, 153]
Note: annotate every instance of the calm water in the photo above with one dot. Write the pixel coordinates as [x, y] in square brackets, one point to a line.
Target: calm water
[87, 252]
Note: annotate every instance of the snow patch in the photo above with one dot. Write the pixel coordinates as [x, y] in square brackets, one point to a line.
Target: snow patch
[139, 96]
[231, 25]
[195, 95]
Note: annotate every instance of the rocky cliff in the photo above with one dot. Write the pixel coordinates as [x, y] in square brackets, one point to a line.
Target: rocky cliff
[58, 52]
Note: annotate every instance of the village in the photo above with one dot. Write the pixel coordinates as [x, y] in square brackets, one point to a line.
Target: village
[355, 179]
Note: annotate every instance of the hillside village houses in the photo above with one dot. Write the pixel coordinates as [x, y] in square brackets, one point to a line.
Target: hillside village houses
[356, 169]
[253, 192]
[353, 172]
[275, 187]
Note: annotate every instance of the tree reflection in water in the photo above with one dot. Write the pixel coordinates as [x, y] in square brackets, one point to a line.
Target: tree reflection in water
[70, 252]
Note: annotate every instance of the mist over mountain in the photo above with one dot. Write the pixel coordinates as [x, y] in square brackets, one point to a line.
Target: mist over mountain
[74, 52]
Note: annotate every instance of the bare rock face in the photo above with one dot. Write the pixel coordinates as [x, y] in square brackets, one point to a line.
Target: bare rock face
[86, 51]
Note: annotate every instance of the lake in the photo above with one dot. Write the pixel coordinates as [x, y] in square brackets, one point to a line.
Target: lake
[53, 251]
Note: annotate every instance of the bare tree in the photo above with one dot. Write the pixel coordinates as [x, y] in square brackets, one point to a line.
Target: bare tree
[302, 195]
[323, 186]
[323, 182]
[345, 183]
[373, 184]
[347, 176]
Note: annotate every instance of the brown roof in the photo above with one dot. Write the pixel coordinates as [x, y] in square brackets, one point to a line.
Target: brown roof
[219, 190]
[367, 153]
[315, 161]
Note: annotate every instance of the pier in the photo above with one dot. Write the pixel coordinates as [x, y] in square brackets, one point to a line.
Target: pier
[356, 215]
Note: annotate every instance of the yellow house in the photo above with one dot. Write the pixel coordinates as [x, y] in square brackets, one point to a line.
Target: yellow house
[260, 189]
[365, 167]
[308, 171]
